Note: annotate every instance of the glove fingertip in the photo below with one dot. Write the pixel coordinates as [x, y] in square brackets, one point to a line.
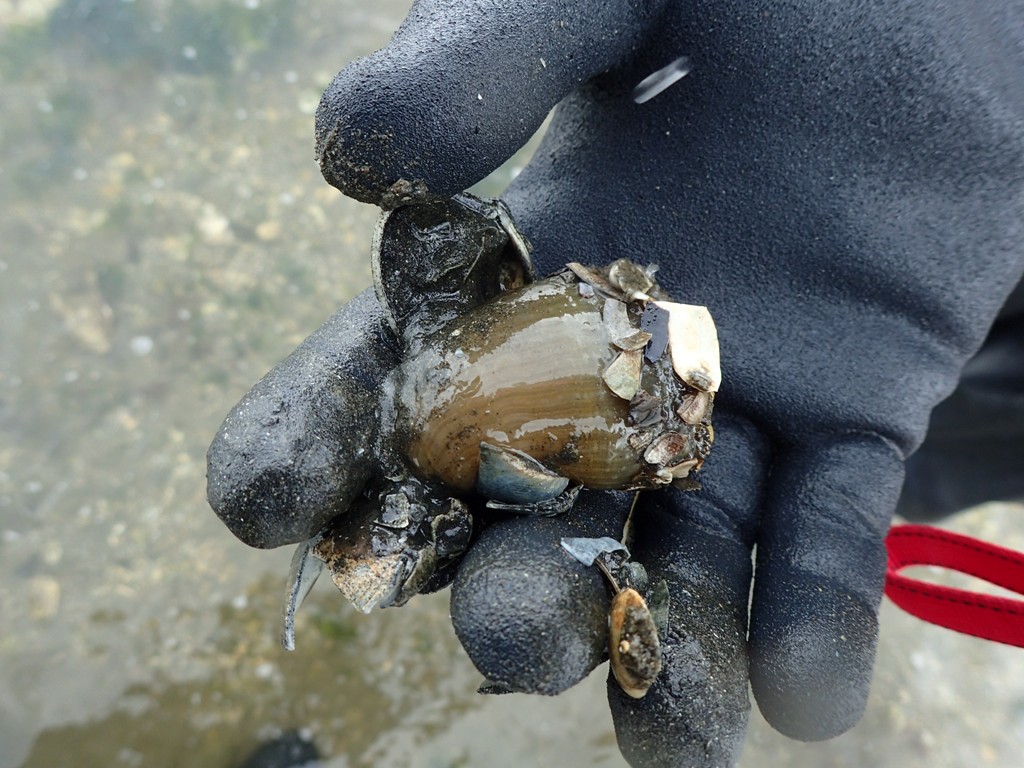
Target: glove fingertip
[811, 663]
[529, 616]
[266, 479]
[818, 583]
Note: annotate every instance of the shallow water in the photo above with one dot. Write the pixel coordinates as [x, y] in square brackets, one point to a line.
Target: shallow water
[166, 238]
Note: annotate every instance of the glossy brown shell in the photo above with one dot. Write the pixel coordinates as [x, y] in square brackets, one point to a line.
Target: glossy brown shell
[523, 371]
[553, 370]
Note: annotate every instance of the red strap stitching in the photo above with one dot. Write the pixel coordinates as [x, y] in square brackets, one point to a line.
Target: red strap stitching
[1010, 608]
[992, 551]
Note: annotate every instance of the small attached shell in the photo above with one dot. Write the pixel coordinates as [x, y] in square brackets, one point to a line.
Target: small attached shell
[615, 317]
[693, 344]
[594, 279]
[515, 477]
[367, 581]
[694, 407]
[623, 374]
[587, 550]
[632, 279]
[633, 645]
[637, 340]
[667, 449]
[621, 330]
[682, 469]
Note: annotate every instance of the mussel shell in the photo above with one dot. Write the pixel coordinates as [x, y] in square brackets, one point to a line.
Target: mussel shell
[634, 649]
[558, 373]
[523, 371]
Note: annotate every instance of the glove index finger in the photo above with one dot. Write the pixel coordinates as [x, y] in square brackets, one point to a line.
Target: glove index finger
[820, 571]
[461, 86]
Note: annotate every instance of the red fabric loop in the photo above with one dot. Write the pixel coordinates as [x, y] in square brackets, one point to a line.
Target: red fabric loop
[987, 616]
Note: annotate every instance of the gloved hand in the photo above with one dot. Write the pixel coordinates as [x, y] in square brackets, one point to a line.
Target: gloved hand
[838, 182]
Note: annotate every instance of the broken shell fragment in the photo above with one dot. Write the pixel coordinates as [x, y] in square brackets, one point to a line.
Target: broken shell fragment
[558, 505]
[640, 440]
[669, 473]
[621, 330]
[397, 511]
[634, 341]
[633, 645]
[367, 583]
[615, 317]
[587, 550]
[699, 379]
[623, 374]
[595, 280]
[305, 570]
[682, 469]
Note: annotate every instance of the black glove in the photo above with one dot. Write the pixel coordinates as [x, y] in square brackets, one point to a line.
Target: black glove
[838, 182]
[978, 431]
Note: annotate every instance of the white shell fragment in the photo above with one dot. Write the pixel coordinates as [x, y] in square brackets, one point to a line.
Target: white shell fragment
[658, 81]
[587, 550]
[623, 373]
[635, 340]
[693, 344]
[666, 448]
[621, 330]
[682, 469]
